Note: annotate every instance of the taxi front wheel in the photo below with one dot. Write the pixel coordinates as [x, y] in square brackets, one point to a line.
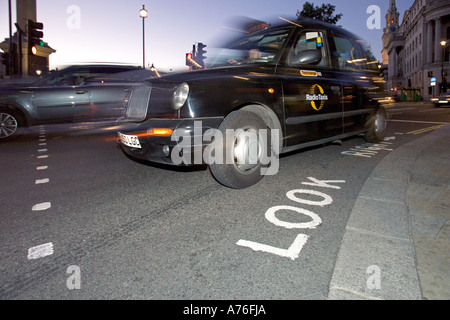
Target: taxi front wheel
[376, 126]
[245, 140]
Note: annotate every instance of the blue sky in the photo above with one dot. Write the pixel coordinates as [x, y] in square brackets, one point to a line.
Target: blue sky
[111, 31]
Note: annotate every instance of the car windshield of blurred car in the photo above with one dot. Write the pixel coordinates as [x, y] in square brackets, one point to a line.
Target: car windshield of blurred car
[75, 76]
[259, 48]
[62, 77]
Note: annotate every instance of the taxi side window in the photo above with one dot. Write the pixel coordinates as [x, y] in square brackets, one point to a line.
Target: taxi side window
[345, 54]
[308, 41]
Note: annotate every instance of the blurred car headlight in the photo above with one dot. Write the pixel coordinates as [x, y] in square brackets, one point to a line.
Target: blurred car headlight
[180, 95]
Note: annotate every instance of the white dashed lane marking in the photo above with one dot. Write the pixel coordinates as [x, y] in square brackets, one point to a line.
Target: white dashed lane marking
[42, 206]
[40, 251]
[42, 181]
[46, 249]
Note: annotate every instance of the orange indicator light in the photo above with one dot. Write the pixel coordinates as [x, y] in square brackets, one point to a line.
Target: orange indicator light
[160, 132]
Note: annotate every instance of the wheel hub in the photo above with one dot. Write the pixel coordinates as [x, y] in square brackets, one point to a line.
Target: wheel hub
[8, 125]
[247, 149]
[380, 123]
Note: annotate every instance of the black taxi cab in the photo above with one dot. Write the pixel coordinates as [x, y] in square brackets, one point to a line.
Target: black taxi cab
[287, 86]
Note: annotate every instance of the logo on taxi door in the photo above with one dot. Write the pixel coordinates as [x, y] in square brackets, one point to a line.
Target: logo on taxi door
[317, 94]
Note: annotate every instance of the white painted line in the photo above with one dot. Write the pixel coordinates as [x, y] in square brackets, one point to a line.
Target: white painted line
[42, 168]
[42, 140]
[42, 206]
[42, 181]
[403, 109]
[42, 150]
[434, 110]
[43, 144]
[42, 157]
[411, 121]
[40, 251]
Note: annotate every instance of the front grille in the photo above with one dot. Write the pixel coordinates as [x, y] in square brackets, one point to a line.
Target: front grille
[138, 102]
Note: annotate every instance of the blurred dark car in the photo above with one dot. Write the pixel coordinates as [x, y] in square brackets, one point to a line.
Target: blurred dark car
[75, 93]
[286, 86]
[441, 101]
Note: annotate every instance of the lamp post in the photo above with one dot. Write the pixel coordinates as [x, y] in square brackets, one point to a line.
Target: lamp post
[143, 14]
[444, 80]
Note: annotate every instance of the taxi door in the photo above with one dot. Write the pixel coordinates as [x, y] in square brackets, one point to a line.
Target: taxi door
[312, 94]
[351, 63]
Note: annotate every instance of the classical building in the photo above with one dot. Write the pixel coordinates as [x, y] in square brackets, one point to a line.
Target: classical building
[413, 53]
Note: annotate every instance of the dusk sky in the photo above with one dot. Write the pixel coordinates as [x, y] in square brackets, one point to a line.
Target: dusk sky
[111, 31]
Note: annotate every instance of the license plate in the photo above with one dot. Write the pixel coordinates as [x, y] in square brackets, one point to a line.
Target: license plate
[130, 141]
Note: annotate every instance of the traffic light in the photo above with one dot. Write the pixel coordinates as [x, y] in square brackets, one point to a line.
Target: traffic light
[34, 36]
[200, 56]
[189, 59]
[6, 62]
[5, 58]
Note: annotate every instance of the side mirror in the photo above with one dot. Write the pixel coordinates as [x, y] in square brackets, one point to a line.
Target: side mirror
[308, 57]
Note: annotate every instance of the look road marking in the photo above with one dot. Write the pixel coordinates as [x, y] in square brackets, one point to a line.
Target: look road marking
[293, 252]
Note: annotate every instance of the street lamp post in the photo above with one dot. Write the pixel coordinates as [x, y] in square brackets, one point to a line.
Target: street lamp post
[143, 14]
[444, 80]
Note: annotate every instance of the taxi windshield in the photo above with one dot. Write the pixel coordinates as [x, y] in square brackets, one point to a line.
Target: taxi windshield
[256, 48]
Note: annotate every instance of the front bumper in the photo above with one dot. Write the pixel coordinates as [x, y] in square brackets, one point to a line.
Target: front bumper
[160, 148]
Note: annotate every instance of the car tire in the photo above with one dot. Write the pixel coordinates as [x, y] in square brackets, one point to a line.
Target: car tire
[9, 124]
[244, 167]
[376, 126]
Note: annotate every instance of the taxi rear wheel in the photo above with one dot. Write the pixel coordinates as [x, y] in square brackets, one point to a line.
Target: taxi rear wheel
[244, 143]
[376, 125]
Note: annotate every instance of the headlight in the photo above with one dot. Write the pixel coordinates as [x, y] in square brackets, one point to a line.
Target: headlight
[180, 95]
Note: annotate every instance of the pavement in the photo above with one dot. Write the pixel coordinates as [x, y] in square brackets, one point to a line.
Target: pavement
[396, 245]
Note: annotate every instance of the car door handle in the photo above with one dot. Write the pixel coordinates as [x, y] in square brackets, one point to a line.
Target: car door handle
[80, 91]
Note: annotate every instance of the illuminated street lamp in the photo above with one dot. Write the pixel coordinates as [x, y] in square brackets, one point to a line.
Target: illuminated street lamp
[153, 69]
[143, 14]
[444, 80]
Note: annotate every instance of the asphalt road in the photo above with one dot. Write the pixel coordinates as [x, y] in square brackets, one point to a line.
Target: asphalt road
[80, 220]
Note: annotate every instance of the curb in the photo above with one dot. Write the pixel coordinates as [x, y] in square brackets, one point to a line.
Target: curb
[377, 259]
